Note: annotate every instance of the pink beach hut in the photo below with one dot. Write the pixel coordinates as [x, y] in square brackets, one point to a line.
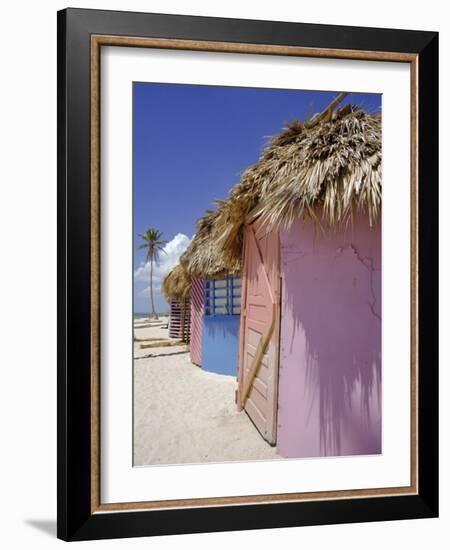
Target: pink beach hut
[305, 221]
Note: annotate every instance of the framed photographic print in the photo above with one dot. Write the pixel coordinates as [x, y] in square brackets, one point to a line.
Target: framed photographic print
[247, 252]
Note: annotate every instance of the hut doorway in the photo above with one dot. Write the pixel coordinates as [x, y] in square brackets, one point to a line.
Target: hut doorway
[260, 320]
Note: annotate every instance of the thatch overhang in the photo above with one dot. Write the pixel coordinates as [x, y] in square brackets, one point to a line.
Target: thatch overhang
[330, 164]
[204, 256]
[176, 284]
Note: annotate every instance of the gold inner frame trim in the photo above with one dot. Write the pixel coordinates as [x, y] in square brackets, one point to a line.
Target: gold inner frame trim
[97, 41]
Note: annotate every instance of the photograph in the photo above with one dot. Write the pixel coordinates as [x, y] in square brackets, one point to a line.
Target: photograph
[257, 274]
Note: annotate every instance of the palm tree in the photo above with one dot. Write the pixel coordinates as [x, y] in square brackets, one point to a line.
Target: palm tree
[154, 244]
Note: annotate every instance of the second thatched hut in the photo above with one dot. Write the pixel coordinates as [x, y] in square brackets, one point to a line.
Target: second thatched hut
[215, 300]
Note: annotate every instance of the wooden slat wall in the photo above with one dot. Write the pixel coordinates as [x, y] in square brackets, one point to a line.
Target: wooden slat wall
[197, 312]
[177, 311]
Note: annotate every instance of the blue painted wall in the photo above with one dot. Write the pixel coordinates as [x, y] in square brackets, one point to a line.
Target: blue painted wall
[220, 344]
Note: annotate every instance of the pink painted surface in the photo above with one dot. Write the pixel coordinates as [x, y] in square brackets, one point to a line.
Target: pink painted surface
[329, 400]
[197, 312]
[260, 299]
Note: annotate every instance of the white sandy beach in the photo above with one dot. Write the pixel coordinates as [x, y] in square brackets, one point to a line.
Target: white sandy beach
[183, 414]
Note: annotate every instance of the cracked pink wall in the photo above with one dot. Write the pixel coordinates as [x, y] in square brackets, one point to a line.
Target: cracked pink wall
[329, 400]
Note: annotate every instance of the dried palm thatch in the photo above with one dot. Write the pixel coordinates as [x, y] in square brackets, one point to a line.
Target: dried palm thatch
[330, 163]
[176, 284]
[204, 257]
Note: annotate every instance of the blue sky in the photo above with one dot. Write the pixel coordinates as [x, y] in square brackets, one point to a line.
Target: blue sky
[190, 145]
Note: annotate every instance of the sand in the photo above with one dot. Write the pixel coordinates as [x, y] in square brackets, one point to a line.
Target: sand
[183, 414]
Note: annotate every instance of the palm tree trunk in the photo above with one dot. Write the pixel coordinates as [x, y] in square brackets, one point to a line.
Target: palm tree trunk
[153, 312]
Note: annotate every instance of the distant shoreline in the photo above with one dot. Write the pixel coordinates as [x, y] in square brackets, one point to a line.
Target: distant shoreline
[144, 315]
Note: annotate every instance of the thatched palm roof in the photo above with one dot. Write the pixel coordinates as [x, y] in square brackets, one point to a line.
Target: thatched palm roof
[332, 162]
[176, 284]
[329, 164]
[204, 257]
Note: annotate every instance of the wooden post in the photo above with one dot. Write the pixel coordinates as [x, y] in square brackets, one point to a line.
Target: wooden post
[182, 312]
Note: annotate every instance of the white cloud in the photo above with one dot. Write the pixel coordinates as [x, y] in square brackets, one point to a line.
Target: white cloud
[167, 260]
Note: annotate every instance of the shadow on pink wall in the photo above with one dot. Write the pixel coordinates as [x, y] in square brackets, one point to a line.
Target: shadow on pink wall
[329, 401]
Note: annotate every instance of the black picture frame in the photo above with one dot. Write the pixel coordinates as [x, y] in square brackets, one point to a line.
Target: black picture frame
[75, 518]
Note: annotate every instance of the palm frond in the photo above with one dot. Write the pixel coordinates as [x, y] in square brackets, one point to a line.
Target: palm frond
[153, 243]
